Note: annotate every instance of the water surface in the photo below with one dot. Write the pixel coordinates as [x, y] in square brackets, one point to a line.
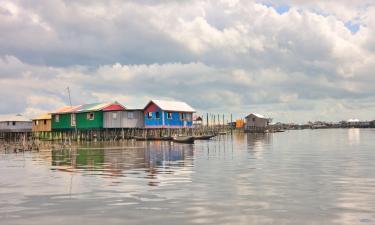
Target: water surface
[295, 177]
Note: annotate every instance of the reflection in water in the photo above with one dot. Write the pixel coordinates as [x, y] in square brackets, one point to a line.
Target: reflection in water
[257, 142]
[354, 136]
[112, 161]
[221, 146]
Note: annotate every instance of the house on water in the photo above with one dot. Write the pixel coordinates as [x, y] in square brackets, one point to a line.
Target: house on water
[168, 114]
[42, 123]
[42, 126]
[127, 118]
[61, 119]
[256, 123]
[239, 124]
[88, 116]
[16, 123]
[197, 121]
[11, 125]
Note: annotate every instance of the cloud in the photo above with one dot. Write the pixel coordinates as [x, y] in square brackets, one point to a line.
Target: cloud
[220, 56]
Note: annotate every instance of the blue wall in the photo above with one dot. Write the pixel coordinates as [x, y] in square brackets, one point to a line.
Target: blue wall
[153, 121]
[175, 121]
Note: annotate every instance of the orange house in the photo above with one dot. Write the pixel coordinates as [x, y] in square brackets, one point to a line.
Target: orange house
[239, 123]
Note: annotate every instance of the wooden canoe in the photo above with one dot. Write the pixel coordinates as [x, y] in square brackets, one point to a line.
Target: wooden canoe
[153, 138]
[204, 137]
[184, 139]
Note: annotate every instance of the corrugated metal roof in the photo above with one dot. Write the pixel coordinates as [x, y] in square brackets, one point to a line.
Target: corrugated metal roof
[173, 106]
[257, 115]
[67, 109]
[95, 106]
[84, 108]
[18, 117]
[46, 116]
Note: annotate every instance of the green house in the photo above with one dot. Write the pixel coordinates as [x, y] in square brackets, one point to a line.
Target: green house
[88, 116]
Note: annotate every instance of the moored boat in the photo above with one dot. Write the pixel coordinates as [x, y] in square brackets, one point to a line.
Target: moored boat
[278, 131]
[164, 138]
[140, 138]
[204, 137]
[184, 139]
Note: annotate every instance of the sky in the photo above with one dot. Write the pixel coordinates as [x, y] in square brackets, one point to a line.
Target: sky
[293, 61]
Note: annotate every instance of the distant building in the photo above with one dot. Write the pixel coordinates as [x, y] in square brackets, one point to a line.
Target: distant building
[319, 125]
[16, 123]
[365, 124]
[168, 114]
[256, 123]
[239, 124]
[197, 121]
[231, 125]
[353, 122]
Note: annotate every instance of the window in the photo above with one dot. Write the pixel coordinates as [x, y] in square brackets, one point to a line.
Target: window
[169, 115]
[157, 115]
[14, 123]
[8, 123]
[45, 122]
[73, 120]
[149, 115]
[57, 118]
[253, 119]
[182, 116]
[36, 122]
[130, 115]
[90, 116]
[114, 115]
[189, 117]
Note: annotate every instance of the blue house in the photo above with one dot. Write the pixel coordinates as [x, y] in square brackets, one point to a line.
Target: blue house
[168, 114]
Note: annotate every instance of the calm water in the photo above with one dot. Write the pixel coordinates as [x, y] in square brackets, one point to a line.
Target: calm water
[296, 177]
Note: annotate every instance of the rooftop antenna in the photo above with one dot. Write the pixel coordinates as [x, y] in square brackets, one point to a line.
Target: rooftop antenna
[70, 100]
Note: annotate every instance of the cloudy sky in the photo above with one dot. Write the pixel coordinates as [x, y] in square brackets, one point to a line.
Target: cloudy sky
[291, 60]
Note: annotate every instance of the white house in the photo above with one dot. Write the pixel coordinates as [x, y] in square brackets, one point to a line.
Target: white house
[256, 122]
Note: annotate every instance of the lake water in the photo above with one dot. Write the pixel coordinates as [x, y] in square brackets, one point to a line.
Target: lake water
[295, 177]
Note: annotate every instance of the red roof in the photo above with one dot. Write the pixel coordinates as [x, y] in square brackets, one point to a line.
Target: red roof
[114, 107]
[109, 106]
